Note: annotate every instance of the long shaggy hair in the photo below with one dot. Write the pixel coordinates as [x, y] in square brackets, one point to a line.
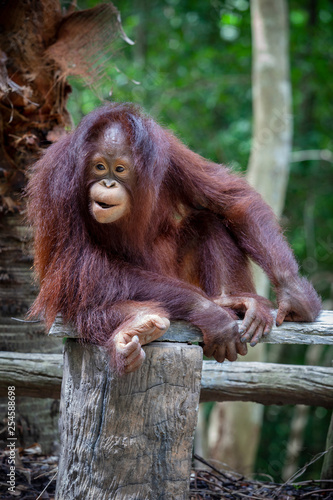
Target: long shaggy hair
[192, 226]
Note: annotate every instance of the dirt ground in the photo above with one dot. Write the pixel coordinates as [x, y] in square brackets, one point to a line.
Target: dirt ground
[35, 478]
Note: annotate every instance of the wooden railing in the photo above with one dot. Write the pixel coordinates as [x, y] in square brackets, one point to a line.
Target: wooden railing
[123, 437]
[40, 375]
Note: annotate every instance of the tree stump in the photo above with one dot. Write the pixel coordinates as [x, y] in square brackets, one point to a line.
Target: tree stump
[128, 437]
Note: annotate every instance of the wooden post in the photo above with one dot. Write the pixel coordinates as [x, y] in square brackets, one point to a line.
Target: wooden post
[131, 437]
[128, 437]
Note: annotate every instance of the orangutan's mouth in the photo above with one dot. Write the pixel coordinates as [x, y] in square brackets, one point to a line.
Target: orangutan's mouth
[104, 205]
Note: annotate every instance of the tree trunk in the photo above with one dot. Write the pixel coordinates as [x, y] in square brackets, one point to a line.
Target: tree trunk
[39, 47]
[32, 112]
[130, 436]
[268, 171]
[299, 421]
[268, 168]
[327, 469]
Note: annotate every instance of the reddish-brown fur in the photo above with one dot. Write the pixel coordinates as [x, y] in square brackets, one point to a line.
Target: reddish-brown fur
[192, 228]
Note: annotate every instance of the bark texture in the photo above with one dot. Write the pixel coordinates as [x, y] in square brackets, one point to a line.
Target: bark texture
[40, 376]
[32, 115]
[268, 168]
[40, 46]
[290, 332]
[129, 437]
[267, 383]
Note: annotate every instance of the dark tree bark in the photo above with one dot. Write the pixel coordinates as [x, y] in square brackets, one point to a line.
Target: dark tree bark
[39, 47]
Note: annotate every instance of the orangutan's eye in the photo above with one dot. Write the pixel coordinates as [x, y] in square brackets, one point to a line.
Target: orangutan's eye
[120, 168]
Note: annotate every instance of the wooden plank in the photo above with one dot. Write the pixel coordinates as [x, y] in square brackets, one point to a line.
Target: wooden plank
[131, 436]
[179, 331]
[318, 332]
[267, 383]
[40, 375]
[33, 374]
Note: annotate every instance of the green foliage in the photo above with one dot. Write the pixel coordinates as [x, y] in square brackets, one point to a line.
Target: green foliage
[274, 441]
[191, 69]
[309, 203]
[184, 65]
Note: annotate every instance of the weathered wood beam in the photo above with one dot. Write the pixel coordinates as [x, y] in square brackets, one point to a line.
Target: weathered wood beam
[131, 436]
[40, 375]
[33, 374]
[267, 383]
[318, 332]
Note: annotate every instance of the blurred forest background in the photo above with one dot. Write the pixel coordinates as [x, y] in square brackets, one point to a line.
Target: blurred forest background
[190, 68]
